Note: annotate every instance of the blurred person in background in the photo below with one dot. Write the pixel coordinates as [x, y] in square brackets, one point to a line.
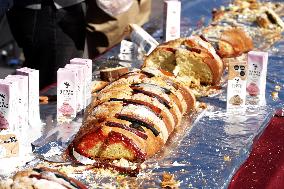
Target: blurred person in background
[10, 53]
[4, 7]
[50, 32]
[106, 21]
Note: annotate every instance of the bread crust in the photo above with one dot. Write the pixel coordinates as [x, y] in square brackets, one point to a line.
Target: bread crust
[195, 44]
[112, 74]
[42, 176]
[212, 59]
[229, 42]
[238, 40]
[170, 79]
[152, 104]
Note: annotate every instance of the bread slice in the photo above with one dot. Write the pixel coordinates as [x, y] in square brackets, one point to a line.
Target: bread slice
[97, 139]
[228, 41]
[112, 74]
[127, 96]
[216, 64]
[195, 61]
[41, 178]
[133, 117]
[186, 92]
[162, 57]
[112, 139]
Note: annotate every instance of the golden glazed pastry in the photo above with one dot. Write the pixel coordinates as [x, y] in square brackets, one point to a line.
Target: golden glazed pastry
[259, 20]
[192, 59]
[133, 117]
[41, 178]
[228, 41]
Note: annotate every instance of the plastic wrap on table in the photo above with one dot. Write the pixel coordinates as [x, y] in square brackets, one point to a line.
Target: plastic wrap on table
[210, 145]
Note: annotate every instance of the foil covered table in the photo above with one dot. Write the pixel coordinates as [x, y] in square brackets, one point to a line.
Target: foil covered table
[213, 143]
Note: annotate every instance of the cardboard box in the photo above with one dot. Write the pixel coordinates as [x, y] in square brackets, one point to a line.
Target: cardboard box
[33, 83]
[23, 97]
[236, 89]
[81, 84]
[66, 94]
[171, 20]
[256, 81]
[88, 76]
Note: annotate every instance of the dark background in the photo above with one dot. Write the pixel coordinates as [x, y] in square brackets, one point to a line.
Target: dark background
[11, 56]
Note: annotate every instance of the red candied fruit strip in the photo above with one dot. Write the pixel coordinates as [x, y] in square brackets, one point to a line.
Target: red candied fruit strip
[166, 73]
[170, 49]
[89, 141]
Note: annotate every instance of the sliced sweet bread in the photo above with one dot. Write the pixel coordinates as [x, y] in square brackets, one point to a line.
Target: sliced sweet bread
[195, 61]
[158, 93]
[162, 57]
[170, 90]
[154, 88]
[187, 93]
[133, 117]
[167, 115]
[228, 41]
[96, 139]
[41, 178]
[140, 77]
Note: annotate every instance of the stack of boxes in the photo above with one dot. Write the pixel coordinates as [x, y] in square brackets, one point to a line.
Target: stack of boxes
[73, 88]
[19, 110]
[247, 82]
[171, 19]
[19, 103]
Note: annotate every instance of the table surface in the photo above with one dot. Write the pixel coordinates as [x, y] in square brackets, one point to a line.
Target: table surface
[214, 144]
